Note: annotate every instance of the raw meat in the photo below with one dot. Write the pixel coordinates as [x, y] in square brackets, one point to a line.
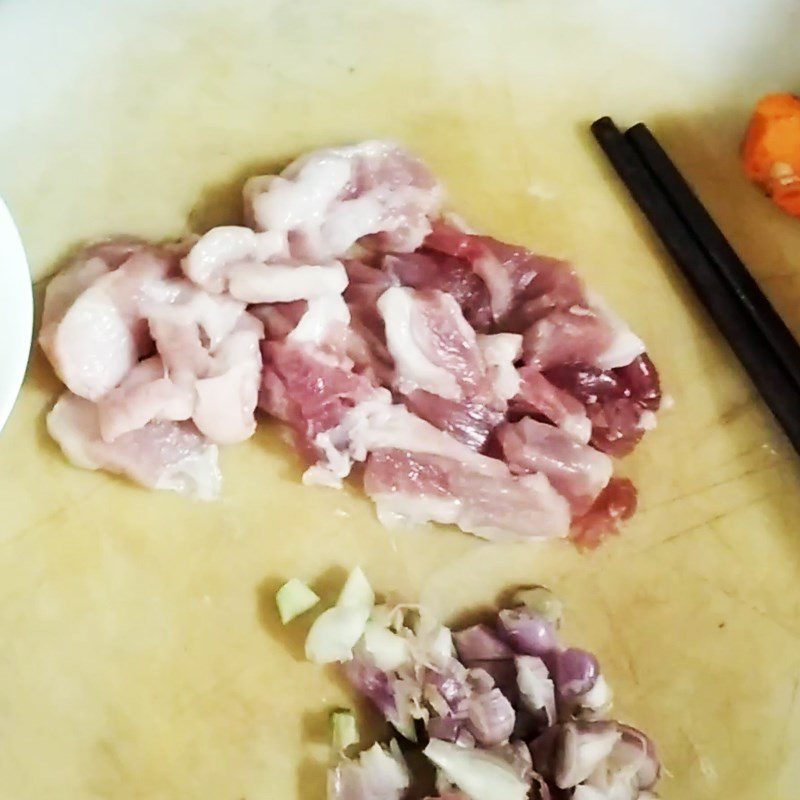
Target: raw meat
[282, 283]
[577, 471]
[226, 396]
[326, 201]
[429, 269]
[220, 251]
[470, 421]
[620, 403]
[479, 383]
[313, 393]
[93, 330]
[417, 487]
[161, 455]
[616, 503]
[145, 394]
[538, 397]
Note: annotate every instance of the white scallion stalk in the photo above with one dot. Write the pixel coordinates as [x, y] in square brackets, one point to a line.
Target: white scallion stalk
[479, 774]
[334, 634]
[293, 599]
[356, 590]
[344, 731]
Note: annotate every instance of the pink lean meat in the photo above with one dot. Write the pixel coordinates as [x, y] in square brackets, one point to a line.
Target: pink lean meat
[478, 383]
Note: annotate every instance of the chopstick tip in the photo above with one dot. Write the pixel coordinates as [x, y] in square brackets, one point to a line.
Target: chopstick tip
[603, 124]
[639, 129]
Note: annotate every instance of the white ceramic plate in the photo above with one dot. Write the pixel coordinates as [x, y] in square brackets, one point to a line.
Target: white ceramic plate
[16, 313]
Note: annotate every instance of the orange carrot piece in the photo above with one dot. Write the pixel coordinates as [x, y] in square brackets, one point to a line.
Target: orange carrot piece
[771, 149]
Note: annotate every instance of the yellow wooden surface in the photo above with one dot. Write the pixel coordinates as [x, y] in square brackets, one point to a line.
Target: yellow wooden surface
[141, 656]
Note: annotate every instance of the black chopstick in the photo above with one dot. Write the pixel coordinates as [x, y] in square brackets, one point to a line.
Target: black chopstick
[746, 338]
[717, 247]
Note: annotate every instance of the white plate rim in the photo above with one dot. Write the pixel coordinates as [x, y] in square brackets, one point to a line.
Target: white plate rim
[16, 314]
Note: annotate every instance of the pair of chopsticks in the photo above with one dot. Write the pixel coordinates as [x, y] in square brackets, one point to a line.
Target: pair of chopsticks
[744, 316]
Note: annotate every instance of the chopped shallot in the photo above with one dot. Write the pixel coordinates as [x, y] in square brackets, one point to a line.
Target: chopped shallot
[543, 733]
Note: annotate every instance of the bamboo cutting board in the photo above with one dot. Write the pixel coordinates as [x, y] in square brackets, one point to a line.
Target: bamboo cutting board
[141, 656]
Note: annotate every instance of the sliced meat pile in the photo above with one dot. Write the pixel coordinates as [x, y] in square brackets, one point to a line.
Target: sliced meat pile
[502, 709]
[479, 384]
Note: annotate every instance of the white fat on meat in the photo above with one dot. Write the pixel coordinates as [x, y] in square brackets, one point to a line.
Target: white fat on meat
[499, 282]
[500, 351]
[321, 314]
[94, 332]
[413, 368]
[226, 397]
[218, 391]
[379, 426]
[91, 345]
[182, 304]
[145, 394]
[210, 260]
[172, 456]
[254, 187]
[398, 510]
[181, 348]
[66, 286]
[187, 325]
[281, 283]
[342, 445]
[327, 200]
[624, 346]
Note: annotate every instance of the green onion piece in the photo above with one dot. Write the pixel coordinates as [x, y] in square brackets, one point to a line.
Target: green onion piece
[293, 599]
[539, 600]
[344, 731]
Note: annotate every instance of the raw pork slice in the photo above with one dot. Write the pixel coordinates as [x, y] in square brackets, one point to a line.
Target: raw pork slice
[542, 298]
[479, 383]
[440, 368]
[146, 393]
[430, 269]
[470, 421]
[227, 395]
[367, 341]
[161, 455]
[417, 487]
[620, 403]
[327, 200]
[93, 331]
[312, 392]
[578, 472]
[228, 249]
[539, 397]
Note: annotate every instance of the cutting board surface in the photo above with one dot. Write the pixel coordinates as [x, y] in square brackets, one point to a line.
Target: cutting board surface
[141, 654]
